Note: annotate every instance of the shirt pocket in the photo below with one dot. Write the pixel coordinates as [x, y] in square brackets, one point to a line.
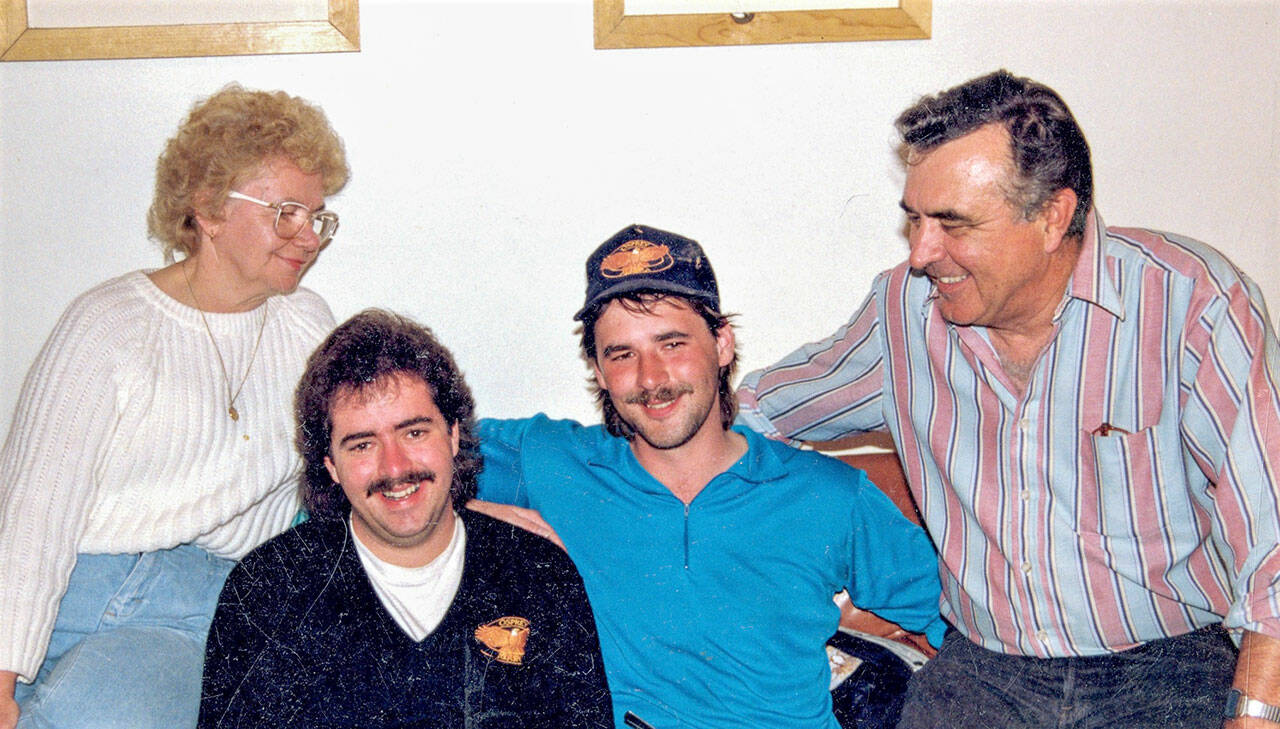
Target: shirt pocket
[1117, 495]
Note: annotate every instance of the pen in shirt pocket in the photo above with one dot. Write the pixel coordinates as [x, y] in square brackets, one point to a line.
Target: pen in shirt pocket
[1107, 429]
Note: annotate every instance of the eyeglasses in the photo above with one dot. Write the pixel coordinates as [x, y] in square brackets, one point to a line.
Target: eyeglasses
[291, 217]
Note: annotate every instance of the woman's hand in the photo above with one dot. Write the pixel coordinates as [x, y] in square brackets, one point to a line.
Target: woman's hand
[8, 707]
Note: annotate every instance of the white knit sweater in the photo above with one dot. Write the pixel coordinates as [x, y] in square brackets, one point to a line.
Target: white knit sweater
[121, 442]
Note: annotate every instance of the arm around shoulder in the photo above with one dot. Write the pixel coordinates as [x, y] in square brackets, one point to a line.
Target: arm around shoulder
[506, 446]
[798, 397]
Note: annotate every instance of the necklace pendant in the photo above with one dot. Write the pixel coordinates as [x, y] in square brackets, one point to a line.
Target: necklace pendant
[222, 366]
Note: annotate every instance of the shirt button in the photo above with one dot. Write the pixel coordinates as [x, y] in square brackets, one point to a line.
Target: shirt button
[1026, 495]
[1043, 635]
[1026, 567]
[1025, 423]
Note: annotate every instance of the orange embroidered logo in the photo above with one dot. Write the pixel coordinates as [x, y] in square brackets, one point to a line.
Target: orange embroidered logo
[505, 639]
[636, 256]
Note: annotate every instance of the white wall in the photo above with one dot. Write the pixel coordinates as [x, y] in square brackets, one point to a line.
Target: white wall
[493, 148]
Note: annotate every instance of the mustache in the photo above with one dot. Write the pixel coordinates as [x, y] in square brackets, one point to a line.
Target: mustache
[393, 484]
[666, 393]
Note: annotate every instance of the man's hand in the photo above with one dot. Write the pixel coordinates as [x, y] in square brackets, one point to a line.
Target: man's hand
[862, 621]
[1258, 676]
[8, 707]
[527, 519]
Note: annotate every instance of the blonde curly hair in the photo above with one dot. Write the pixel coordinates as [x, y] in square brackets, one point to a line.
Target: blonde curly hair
[225, 140]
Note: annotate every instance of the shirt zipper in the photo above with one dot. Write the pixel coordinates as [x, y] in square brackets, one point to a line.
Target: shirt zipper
[686, 536]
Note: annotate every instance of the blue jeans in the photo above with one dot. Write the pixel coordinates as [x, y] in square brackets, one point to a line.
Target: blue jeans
[1179, 682]
[127, 649]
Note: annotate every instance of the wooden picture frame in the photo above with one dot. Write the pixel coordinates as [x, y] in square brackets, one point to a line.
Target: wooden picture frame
[18, 42]
[911, 19]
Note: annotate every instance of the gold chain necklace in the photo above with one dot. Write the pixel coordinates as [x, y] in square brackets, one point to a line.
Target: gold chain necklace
[231, 397]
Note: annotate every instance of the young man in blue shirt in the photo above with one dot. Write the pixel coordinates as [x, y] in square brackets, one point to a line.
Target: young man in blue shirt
[710, 554]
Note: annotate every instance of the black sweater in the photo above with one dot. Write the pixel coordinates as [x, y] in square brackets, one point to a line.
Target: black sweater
[300, 639]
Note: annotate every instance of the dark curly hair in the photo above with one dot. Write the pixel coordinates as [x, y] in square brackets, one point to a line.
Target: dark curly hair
[643, 302]
[1046, 144]
[363, 351]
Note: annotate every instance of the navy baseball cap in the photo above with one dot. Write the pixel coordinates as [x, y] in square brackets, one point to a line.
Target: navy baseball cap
[640, 258]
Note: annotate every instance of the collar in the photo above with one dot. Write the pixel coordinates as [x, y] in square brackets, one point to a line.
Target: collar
[765, 460]
[1092, 282]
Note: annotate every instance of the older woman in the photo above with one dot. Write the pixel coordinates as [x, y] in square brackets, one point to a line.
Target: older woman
[152, 442]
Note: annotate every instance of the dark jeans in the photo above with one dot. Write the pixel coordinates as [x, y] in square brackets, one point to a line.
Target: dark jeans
[1175, 682]
[871, 697]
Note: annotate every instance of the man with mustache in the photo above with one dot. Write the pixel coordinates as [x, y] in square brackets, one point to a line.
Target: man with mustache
[710, 554]
[390, 607]
[1090, 423]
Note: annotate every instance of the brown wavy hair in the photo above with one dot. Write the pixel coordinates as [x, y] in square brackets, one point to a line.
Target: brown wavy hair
[363, 351]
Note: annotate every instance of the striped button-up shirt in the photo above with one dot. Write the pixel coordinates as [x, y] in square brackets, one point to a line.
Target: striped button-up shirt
[1128, 494]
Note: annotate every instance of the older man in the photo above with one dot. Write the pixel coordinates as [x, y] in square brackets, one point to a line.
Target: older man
[1089, 421]
[710, 554]
[390, 608]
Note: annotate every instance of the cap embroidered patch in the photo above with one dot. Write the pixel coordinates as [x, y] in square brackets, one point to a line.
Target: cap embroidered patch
[636, 257]
[638, 260]
[504, 639]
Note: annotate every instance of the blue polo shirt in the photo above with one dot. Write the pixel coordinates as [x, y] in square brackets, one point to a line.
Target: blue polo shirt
[716, 614]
